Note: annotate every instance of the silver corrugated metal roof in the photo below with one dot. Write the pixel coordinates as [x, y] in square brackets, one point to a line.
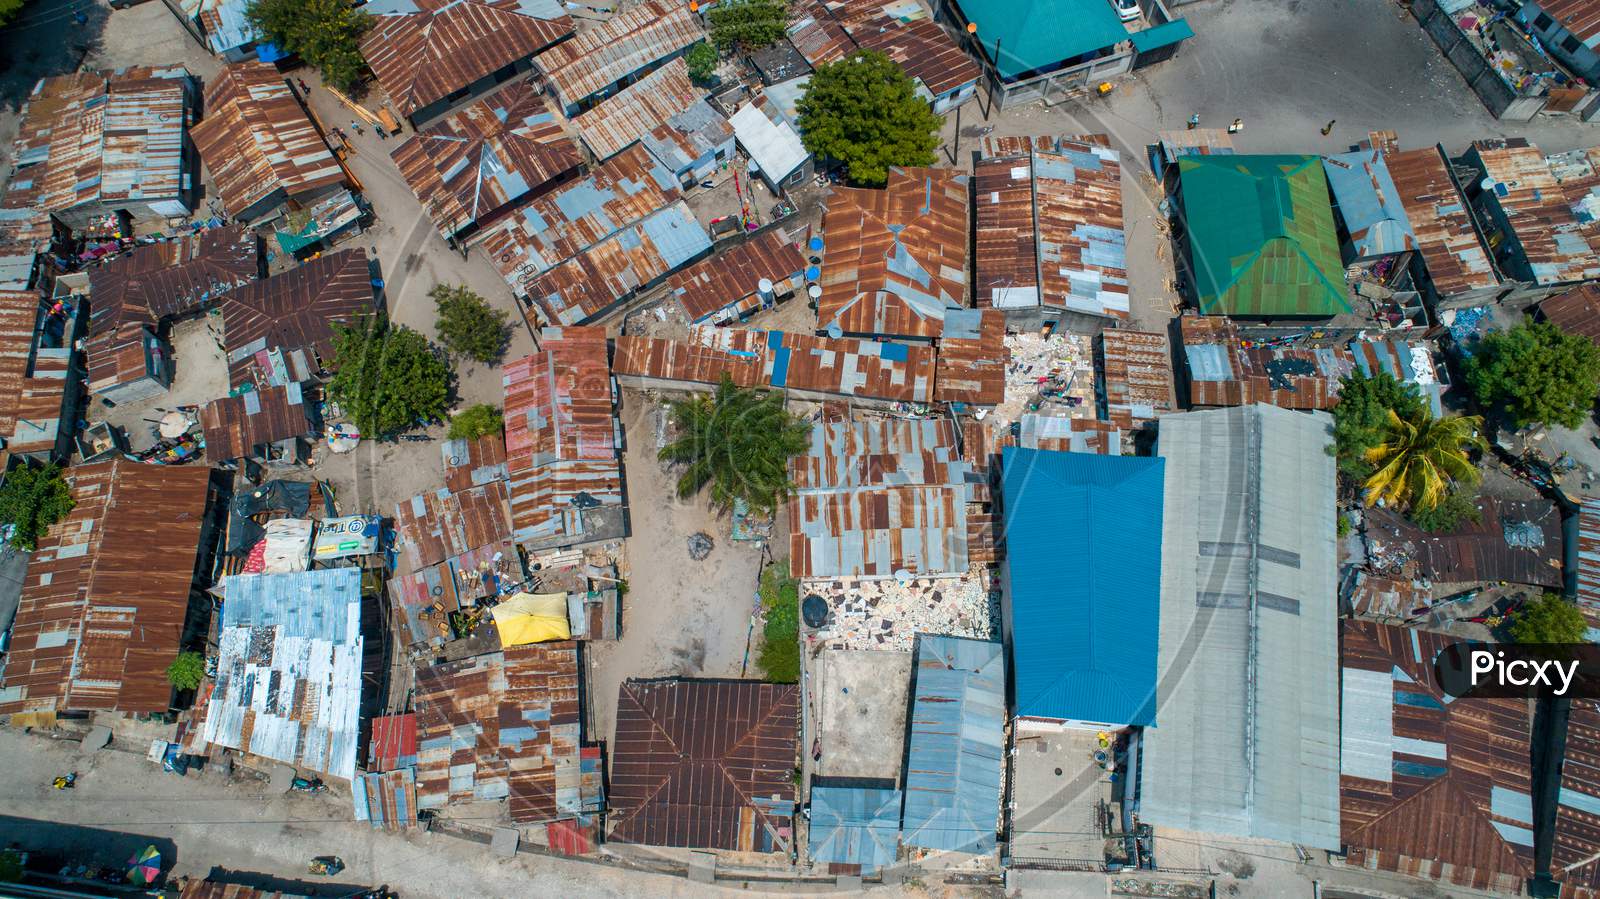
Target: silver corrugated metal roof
[1247, 735]
[957, 727]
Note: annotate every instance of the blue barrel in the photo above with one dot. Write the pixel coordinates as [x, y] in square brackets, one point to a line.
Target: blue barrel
[815, 244]
[813, 272]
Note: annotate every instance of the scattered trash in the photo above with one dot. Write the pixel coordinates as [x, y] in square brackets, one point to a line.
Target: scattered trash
[700, 546]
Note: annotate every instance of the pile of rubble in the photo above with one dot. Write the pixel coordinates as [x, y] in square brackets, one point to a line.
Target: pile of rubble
[887, 614]
[1054, 369]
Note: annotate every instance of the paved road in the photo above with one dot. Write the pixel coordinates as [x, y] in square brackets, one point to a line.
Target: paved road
[204, 824]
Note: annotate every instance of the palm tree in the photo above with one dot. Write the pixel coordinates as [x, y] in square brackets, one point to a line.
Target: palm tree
[1421, 456]
[739, 441]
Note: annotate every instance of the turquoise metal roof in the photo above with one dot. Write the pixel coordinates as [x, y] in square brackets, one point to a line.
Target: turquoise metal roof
[1035, 34]
[855, 826]
[1083, 547]
[957, 725]
[1163, 35]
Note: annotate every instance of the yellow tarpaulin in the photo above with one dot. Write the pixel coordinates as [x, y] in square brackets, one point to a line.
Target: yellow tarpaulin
[529, 618]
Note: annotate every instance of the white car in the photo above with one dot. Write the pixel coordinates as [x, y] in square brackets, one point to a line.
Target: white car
[1127, 10]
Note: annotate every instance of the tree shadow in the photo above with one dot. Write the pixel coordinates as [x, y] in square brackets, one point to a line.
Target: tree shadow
[46, 39]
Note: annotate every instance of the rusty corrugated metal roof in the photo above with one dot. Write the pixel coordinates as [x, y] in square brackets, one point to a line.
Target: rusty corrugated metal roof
[703, 764]
[973, 361]
[1559, 246]
[895, 259]
[817, 34]
[19, 313]
[436, 525]
[905, 33]
[475, 162]
[424, 50]
[107, 591]
[1430, 787]
[1137, 369]
[561, 434]
[652, 102]
[473, 463]
[1442, 221]
[1227, 370]
[555, 227]
[732, 277]
[1575, 850]
[628, 42]
[505, 725]
[256, 139]
[1004, 253]
[1482, 550]
[1576, 311]
[278, 330]
[235, 425]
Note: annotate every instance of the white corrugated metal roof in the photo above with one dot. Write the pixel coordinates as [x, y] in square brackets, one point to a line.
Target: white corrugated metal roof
[777, 149]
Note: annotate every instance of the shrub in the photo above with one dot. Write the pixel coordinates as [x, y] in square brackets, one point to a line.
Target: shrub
[477, 421]
[187, 671]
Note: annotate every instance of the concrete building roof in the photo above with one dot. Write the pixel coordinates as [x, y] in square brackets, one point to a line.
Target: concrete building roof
[1248, 707]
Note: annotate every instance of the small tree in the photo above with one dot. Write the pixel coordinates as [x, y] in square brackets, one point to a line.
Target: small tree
[1549, 619]
[702, 60]
[739, 442]
[187, 671]
[746, 25]
[467, 325]
[31, 500]
[779, 658]
[325, 33]
[1421, 458]
[1361, 417]
[387, 377]
[864, 112]
[477, 421]
[1537, 374]
[1458, 507]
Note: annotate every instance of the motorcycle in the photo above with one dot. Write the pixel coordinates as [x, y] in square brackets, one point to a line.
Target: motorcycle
[308, 785]
[326, 865]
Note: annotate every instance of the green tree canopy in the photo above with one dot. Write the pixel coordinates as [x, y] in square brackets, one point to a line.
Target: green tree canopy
[9, 10]
[187, 670]
[1458, 507]
[31, 500]
[1537, 374]
[477, 421]
[1549, 619]
[702, 60]
[324, 33]
[1421, 457]
[387, 377]
[467, 325]
[746, 25]
[1361, 417]
[864, 112]
[779, 657]
[738, 441]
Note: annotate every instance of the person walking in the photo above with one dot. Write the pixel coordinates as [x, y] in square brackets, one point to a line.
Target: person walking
[1328, 128]
[1194, 121]
[1236, 127]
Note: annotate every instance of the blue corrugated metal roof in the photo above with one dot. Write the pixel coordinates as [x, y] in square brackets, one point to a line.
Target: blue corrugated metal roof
[1083, 538]
[958, 711]
[855, 826]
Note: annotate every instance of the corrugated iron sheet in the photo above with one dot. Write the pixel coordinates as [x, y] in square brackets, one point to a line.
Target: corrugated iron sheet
[505, 725]
[1588, 574]
[561, 434]
[817, 34]
[424, 50]
[388, 800]
[256, 139]
[586, 286]
[1005, 254]
[1442, 221]
[1479, 551]
[733, 277]
[393, 742]
[895, 259]
[1575, 854]
[279, 330]
[1542, 212]
[973, 361]
[705, 764]
[854, 826]
[906, 34]
[553, 228]
[957, 739]
[19, 314]
[1438, 781]
[289, 683]
[434, 526]
[477, 161]
[235, 425]
[106, 593]
[658, 100]
[1576, 312]
[626, 43]
[1227, 370]
[1137, 370]
[474, 463]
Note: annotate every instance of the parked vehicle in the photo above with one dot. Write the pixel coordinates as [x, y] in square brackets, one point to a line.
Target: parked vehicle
[1127, 10]
[308, 784]
[65, 781]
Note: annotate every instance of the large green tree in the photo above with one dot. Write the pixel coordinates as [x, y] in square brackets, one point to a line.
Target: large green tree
[1549, 619]
[739, 442]
[387, 377]
[1361, 418]
[864, 112]
[467, 325]
[1421, 457]
[31, 500]
[1537, 374]
[325, 33]
[746, 25]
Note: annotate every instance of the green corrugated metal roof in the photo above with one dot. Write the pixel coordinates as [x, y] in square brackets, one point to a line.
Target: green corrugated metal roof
[1034, 34]
[1162, 35]
[1261, 236]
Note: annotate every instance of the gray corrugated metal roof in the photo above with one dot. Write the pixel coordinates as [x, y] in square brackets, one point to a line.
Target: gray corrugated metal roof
[855, 826]
[958, 712]
[1247, 741]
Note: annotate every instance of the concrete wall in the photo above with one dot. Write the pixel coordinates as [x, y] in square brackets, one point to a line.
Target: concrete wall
[1502, 102]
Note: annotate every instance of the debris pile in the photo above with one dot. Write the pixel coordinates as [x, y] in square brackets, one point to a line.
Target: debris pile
[887, 614]
[1058, 368]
